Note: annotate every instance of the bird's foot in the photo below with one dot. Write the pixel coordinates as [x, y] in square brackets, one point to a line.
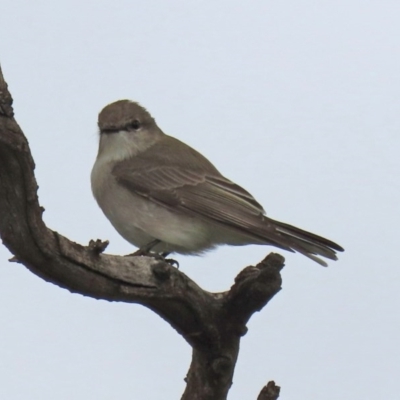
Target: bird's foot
[156, 256]
[146, 251]
[172, 262]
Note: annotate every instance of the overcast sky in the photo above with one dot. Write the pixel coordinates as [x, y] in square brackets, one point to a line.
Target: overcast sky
[299, 103]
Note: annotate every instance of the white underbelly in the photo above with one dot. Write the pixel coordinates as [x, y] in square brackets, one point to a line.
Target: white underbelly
[140, 220]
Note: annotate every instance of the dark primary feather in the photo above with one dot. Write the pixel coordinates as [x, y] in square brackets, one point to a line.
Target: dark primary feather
[191, 183]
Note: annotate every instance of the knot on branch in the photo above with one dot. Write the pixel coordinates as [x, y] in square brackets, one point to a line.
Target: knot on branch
[221, 365]
[253, 288]
[161, 270]
[269, 392]
[98, 246]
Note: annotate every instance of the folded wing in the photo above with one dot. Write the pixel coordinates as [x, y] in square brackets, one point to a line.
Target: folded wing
[193, 185]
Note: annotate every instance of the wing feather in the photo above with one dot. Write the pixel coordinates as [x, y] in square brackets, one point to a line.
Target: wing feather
[192, 184]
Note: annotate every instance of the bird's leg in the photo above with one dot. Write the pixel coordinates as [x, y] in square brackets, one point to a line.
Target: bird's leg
[145, 250]
[149, 246]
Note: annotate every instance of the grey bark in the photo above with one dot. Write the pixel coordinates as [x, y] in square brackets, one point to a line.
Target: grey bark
[212, 323]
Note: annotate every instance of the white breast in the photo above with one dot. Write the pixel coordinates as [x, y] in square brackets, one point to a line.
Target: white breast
[140, 220]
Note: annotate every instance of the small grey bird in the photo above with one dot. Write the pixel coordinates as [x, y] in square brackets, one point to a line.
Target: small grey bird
[164, 196]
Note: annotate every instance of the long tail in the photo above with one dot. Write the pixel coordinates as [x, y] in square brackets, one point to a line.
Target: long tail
[294, 239]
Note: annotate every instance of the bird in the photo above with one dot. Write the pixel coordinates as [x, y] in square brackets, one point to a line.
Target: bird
[165, 197]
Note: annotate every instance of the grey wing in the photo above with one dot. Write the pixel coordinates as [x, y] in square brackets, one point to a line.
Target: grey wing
[193, 185]
[211, 197]
[186, 181]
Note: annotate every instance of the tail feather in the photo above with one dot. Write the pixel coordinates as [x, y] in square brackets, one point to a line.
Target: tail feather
[306, 243]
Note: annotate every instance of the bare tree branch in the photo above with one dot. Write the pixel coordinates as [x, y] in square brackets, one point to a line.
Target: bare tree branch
[212, 323]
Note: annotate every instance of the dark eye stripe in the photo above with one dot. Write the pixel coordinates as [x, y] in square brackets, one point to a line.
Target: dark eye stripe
[109, 131]
[135, 125]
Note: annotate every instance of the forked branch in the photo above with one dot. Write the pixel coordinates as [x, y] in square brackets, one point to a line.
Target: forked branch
[212, 323]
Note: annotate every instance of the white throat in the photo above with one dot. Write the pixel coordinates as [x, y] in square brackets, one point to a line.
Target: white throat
[123, 144]
[115, 147]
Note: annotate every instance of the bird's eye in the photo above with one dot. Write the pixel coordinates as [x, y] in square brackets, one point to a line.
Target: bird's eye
[135, 124]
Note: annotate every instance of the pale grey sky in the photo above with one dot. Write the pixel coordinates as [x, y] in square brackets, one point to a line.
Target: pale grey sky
[296, 101]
